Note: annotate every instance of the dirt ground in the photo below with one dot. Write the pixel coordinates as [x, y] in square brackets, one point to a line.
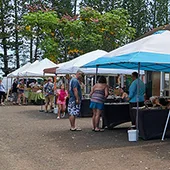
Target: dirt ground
[32, 140]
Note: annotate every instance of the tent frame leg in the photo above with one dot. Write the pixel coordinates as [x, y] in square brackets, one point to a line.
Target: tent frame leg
[165, 128]
[97, 68]
[41, 107]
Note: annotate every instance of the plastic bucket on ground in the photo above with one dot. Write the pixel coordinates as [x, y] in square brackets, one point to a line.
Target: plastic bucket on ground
[55, 110]
[133, 135]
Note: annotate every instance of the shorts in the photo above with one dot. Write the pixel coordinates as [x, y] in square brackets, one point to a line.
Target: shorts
[73, 108]
[95, 105]
[21, 92]
[49, 99]
[61, 103]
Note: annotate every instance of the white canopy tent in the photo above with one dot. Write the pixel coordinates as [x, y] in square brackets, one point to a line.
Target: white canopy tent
[37, 70]
[17, 72]
[71, 67]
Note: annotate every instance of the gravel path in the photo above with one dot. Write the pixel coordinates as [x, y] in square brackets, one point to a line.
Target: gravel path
[31, 140]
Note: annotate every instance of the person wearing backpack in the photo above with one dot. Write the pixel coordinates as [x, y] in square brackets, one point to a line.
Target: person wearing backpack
[62, 95]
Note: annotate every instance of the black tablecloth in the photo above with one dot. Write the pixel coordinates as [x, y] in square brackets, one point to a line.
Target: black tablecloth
[115, 114]
[85, 110]
[151, 123]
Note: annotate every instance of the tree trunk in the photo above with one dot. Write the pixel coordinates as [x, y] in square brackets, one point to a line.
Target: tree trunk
[31, 49]
[154, 13]
[36, 49]
[75, 7]
[16, 35]
[4, 42]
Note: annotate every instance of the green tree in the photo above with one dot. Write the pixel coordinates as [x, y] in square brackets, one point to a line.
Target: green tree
[158, 10]
[39, 26]
[18, 11]
[62, 7]
[5, 32]
[139, 15]
[93, 30]
[102, 5]
[69, 36]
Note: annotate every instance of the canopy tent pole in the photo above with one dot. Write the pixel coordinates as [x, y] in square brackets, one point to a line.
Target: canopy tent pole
[41, 109]
[165, 128]
[97, 68]
[122, 81]
[137, 112]
[85, 81]
[162, 80]
[55, 90]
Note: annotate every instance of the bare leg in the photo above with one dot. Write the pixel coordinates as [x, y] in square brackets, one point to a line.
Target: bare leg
[46, 107]
[19, 99]
[93, 118]
[97, 118]
[51, 102]
[59, 111]
[72, 121]
[23, 98]
[63, 108]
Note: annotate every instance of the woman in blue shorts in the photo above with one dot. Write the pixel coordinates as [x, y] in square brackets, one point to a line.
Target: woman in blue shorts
[98, 95]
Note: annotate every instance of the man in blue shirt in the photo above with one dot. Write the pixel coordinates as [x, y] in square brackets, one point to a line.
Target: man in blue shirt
[75, 100]
[133, 97]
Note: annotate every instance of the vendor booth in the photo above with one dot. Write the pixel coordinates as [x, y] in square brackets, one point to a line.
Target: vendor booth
[151, 53]
[30, 73]
[115, 77]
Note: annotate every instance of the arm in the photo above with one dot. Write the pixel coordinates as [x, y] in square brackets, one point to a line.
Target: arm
[106, 91]
[132, 90]
[18, 86]
[75, 85]
[92, 90]
[66, 94]
[76, 95]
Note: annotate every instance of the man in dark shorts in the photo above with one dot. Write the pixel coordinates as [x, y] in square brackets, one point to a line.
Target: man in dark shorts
[74, 100]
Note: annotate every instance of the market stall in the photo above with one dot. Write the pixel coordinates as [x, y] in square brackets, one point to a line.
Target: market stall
[151, 53]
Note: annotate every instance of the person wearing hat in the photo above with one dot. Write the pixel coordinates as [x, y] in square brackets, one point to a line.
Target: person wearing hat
[2, 93]
[74, 100]
[49, 94]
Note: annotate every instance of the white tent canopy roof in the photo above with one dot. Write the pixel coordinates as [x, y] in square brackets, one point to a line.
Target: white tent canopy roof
[17, 72]
[38, 68]
[71, 67]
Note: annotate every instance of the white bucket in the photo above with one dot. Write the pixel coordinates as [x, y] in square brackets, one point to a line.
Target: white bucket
[55, 110]
[133, 135]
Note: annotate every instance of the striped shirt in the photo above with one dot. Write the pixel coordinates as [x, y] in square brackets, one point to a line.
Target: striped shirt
[98, 96]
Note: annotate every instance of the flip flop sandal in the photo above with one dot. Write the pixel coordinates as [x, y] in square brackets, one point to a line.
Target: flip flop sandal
[99, 130]
[76, 129]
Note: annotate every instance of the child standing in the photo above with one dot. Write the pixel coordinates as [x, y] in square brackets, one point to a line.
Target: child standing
[62, 95]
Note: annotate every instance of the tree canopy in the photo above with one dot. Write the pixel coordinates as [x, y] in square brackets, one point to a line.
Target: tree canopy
[61, 29]
[69, 36]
